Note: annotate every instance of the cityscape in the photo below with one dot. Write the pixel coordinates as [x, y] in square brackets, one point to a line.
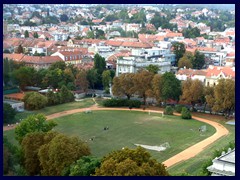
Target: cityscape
[118, 89]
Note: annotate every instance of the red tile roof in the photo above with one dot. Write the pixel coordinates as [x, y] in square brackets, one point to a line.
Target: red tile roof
[216, 70]
[15, 57]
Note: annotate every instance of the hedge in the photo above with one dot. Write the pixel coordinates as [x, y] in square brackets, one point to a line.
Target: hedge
[121, 103]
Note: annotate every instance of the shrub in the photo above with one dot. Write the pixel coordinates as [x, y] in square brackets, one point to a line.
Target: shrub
[121, 103]
[186, 113]
[34, 101]
[178, 108]
[168, 110]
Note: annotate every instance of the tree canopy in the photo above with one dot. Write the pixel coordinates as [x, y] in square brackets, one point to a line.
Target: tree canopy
[8, 113]
[179, 50]
[130, 162]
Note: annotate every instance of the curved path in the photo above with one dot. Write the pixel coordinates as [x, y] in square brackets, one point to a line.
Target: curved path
[182, 156]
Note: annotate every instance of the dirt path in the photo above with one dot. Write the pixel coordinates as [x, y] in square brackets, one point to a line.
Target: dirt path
[182, 156]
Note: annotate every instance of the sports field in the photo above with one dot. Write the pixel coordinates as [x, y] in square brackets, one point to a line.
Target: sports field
[126, 128]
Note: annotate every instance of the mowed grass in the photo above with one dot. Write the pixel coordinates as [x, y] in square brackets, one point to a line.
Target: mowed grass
[128, 128]
[58, 108]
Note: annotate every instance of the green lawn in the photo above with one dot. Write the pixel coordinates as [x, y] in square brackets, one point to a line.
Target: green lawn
[127, 128]
[58, 108]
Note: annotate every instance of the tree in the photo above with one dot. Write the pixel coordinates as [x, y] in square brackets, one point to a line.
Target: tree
[209, 96]
[33, 123]
[67, 96]
[179, 50]
[170, 87]
[34, 101]
[26, 34]
[35, 35]
[99, 63]
[106, 80]
[192, 91]
[156, 87]
[185, 114]
[59, 64]
[92, 76]
[31, 144]
[198, 60]
[59, 153]
[19, 49]
[81, 81]
[64, 18]
[153, 68]
[142, 84]
[25, 76]
[130, 162]
[124, 85]
[8, 113]
[85, 166]
[224, 93]
[54, 78]
[186, 60]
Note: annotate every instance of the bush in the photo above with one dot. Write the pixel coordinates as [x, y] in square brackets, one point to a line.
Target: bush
[186, 113]
[168, 110]
[178, 108]
[34, 101]
[121, 103]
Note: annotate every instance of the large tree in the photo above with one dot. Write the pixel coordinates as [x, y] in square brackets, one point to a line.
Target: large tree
[142, 84]
[198, 60]
[156, 87]
[179, 50]
[92, 77]
[59, 153]
[186, 60]
[34, 101]
[25, 76]
[99, 63]
[64, 18]
[19, 49]
[209, 96]
[81, 81]
[124, 85]
[130, 162]
[170, 87]
[26, 34]
[224, 93]
[33, 123]
[192, 91]
[67, 95]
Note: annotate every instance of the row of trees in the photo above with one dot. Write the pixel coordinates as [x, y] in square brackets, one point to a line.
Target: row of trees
[164, 87]
[45, 152]
[57, 75]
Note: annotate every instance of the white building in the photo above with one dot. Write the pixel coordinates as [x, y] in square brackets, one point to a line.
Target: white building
[223, 165]
[133, 64]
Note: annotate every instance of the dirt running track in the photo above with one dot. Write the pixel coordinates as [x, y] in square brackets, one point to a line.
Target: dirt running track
[182, 156]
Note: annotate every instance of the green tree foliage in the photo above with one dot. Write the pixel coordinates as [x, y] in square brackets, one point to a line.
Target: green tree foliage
[186, 60]
[67, 95]
[99, 63]
[106, 80]
[54, 78]
[33, 123]
[143, 85]
[170, 87]
[163, 22]
[179, 50]
[64, 18]
[26, 34]
[198, 61]
[34, 101]
[139, 17]
[209, 96]
[185, 114]
[178, 108]
[124, 85]
[168, 110]
[224, 93]
[127, 162]
[8, 113]
[85, 166]
[24, 76]
[153, 68]
[5, 159]
[35, 35]
[191, 32]
[58, 65]
[92, 77]
[192, 91]
[59, 153]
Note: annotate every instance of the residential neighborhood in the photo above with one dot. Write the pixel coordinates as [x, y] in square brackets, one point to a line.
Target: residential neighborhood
[111, 62]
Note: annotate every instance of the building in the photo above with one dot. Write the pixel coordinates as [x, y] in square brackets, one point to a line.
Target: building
[223, 165]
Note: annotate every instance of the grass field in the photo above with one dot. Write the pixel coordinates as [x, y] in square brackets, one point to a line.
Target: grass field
[127, 128]
[58, 108]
